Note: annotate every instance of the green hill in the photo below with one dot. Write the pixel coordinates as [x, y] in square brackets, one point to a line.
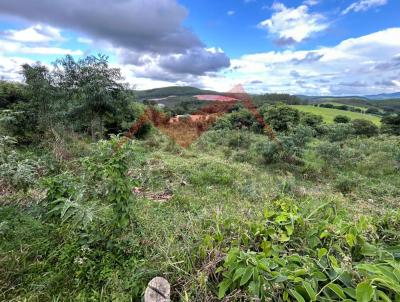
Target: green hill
[171, 91]
[329, 113]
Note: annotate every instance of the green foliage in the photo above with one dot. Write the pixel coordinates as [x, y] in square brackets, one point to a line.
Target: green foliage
[240, 119]
[282, 118]
[391, 124]
[17, 170]
[341, 119]
[274, 98]
[312, 120]
[307, 256]
[364, 127]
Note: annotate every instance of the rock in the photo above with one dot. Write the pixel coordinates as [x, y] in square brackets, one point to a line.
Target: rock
[158, 290]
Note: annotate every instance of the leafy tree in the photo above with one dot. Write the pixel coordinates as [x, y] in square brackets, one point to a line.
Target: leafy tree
[282, 117]
[391, 124]
[40, 91]
[364, 127]
[94, 88]
[341, 119]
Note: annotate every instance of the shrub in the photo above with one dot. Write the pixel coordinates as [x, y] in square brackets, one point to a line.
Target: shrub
[16, 170]
[372, 110]
[282, 118]
[311, 120]
[345, 184]
[364, 127]
[337, 132]
[341, 119]
[240, 119]
[391, 124]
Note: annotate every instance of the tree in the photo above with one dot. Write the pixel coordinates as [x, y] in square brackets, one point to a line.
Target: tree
[341, 119]
[391, 124]
[40, 91]
[282, 117]
[364, 127]
[94, 87]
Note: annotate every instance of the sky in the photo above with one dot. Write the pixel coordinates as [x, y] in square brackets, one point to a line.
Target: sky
[311, 47]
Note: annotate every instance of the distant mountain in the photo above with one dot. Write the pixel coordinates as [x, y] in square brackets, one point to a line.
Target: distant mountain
[171, 91]
[384, 96]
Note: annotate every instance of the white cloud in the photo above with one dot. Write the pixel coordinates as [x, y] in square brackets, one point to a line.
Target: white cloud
[85, 40]
[364, 65]
[363, 5]
[293, 25]
[230, 13]
[36, 34]
[310, 2]
[22, 48]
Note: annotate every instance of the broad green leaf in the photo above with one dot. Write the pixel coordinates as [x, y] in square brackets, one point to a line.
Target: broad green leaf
[239, 272]
[322, 252]
[364, 292]
[351, 240]
[246, 276]
[289, 229]
[223, 287]
[310, 291]
[383, 296]
[337, 289]
[351, 292]
[284, 238]
[296, 295]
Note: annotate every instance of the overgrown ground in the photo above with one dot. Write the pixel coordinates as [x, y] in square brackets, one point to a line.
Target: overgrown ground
[189, 208]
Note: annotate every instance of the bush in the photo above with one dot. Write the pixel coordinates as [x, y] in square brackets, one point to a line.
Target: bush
[341, 119]
[240, 119]
[391, 124]
[282, 118]
[372, 110]
[312, 120]
[337, 132]
[17, 171]
[364, 127]
[345, 184]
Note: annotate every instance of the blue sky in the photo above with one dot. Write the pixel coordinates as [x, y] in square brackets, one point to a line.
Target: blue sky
[318, 47]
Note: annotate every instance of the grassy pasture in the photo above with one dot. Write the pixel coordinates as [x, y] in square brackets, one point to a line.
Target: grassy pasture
[329, 114]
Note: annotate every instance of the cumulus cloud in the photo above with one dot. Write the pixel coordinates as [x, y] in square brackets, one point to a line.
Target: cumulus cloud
[151, 25]
[37, 33]
[22, 48]
[196, 61]
[352, 67]
[136, 29]
[293, 25]
[363, 5]
[230, 12]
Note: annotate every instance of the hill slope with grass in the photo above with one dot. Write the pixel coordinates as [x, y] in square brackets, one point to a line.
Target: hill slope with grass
[329, 113]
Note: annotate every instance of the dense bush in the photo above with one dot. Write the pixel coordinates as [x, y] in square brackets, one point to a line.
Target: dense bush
[240, 119]
[282, 118]
[341, 119]
[364, 127]
[391, 124]
[311, 120]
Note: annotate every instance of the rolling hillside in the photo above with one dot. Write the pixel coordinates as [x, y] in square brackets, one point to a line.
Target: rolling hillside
[329, 113]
